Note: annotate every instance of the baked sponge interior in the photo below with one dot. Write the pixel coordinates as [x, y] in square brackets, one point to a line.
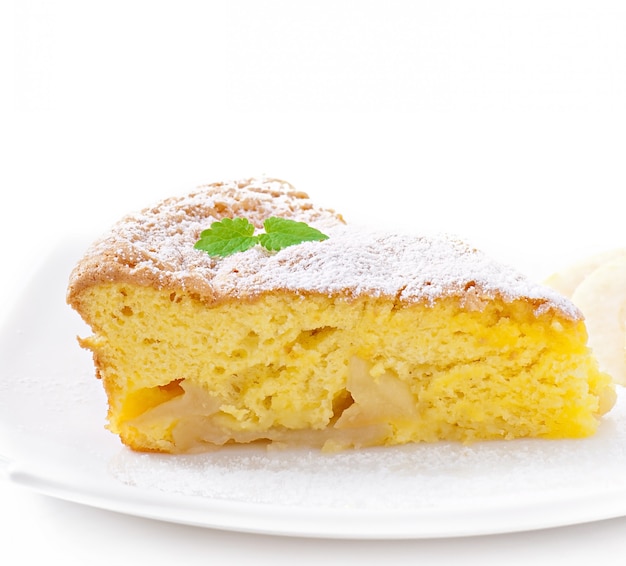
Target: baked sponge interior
[182, 376]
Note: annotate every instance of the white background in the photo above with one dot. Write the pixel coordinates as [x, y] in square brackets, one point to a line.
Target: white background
[500, 121]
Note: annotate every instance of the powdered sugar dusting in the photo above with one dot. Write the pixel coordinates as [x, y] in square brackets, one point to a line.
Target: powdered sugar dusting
[155, 247]
[357, 261]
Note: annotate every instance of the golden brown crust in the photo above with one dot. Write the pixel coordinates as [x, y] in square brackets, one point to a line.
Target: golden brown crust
[156, 248]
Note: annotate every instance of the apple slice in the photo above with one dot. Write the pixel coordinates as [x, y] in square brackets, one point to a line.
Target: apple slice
[567, 280]
[601, 296]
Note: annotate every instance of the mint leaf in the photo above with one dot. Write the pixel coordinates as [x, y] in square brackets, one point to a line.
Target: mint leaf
[282, 232]
[232, 235]
[226, 237]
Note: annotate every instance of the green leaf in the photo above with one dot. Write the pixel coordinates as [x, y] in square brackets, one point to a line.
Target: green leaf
[232, 235]
[282, 232]
[226, 237]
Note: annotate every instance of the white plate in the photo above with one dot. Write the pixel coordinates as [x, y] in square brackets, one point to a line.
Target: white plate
[52, 440]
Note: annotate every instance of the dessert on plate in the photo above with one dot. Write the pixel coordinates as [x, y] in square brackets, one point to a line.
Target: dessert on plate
[358, 338]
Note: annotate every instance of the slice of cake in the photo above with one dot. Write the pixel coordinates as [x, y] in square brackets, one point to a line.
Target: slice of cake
[361, 339]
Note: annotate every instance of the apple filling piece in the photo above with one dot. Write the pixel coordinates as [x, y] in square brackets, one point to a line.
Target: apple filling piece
[364, 414]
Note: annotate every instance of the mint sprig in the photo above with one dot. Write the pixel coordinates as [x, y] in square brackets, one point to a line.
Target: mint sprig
[231, 235]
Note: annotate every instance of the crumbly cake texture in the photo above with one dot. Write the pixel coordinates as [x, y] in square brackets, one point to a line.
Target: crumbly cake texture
[363, 339]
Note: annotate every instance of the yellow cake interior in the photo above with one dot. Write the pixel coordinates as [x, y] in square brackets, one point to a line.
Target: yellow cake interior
[183, 376]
